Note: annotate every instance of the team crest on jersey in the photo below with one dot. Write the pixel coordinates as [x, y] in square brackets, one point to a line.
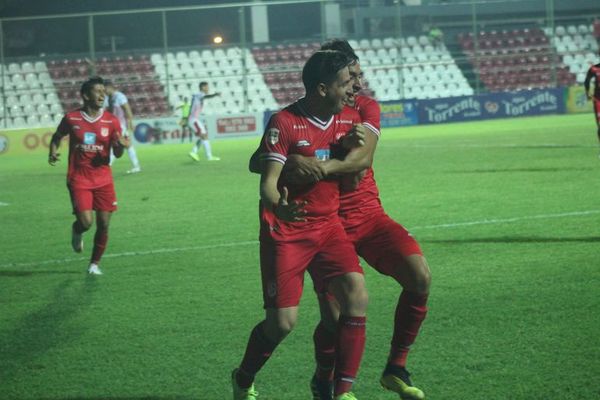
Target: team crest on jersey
[89, 138]
[104, 131]
[273, 135]
[303, 143]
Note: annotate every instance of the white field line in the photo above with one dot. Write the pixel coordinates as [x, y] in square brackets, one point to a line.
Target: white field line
[3, 203]
[255, 242]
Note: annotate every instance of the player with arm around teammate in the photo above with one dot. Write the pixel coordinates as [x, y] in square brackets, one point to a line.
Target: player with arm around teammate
[300, 228]
[594, 73]
[92, 133]
[382, 242]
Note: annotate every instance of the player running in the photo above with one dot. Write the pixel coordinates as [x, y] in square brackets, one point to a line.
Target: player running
[594, 73]
[92, 132]
[305, 232]
[195, 123]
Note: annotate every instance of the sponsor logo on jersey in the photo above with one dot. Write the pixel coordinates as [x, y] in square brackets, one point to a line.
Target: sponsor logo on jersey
[299, 126]
[303, 143]
[89, 138]
[76, 127]
[322, 154]
[273, 136]
[104, 131]
[344, 121]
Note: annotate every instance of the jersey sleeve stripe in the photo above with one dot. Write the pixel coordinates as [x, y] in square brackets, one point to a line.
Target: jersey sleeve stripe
[371, 127]
[273, 157]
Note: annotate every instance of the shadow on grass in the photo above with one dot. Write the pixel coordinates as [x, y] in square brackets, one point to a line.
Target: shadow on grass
[42, 330]
[591, 239]
[510, 170]
[13, 274]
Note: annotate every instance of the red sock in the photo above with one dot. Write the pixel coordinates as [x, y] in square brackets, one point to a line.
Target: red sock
[100, 240]
[349, 350]
[258, 351]
[410, 313]
[324, 352]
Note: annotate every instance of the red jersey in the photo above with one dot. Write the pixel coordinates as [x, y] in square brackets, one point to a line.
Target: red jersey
[366, 197]
[90, 141]
[593, 73]
[294, 131]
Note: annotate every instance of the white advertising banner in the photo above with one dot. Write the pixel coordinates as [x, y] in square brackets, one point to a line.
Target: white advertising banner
[167, 130]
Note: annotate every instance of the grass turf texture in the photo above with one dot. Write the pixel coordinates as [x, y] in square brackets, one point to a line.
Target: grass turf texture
[514, 301]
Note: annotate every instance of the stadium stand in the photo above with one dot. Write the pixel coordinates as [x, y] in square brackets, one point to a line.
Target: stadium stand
[281, 67]
[513, 59]
[410, 68]
[577, 46]
[133, 75]
[29, 96]
[222, 69]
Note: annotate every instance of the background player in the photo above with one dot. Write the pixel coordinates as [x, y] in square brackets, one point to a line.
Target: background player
[305, 233]
[116, 102]
[197, 125]
[92, 133]
[594, 73]
[185, 108]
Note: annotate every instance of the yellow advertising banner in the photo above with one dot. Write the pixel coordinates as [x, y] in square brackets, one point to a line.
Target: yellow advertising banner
[577, 101]
[25, 141]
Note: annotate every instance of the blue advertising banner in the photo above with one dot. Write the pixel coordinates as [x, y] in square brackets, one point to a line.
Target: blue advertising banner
[468, 108]
[398, 113]
[493, 105]
[529, 102]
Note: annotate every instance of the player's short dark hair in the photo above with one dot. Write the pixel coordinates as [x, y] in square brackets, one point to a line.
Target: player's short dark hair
[322, 67]
[87, 86]
[340, 45]
[203, 83]
[108, 82]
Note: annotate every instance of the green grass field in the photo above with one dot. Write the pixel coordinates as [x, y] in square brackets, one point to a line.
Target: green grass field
[507, 213]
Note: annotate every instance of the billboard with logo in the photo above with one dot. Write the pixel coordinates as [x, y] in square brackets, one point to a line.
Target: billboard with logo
[454, 109]
[168, 130]
[24, 141]
[577, 100]
[492, 105]
[398, 113]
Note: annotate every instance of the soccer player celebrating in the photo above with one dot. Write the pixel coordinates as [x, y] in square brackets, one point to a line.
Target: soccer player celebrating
[381, 241]
[116, 103]
[594, 73]
[92, 133]
[196, 123]
[300, 228]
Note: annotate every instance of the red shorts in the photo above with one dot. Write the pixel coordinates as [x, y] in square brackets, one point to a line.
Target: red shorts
[383, 243]
[324, 250]
[597, 110]
[99, 199]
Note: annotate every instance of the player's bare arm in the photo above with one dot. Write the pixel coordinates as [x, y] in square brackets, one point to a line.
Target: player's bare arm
[128, 117]
[254, 163]
[301, 170]
[359, 158]
[54, 155]
[274, 199]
